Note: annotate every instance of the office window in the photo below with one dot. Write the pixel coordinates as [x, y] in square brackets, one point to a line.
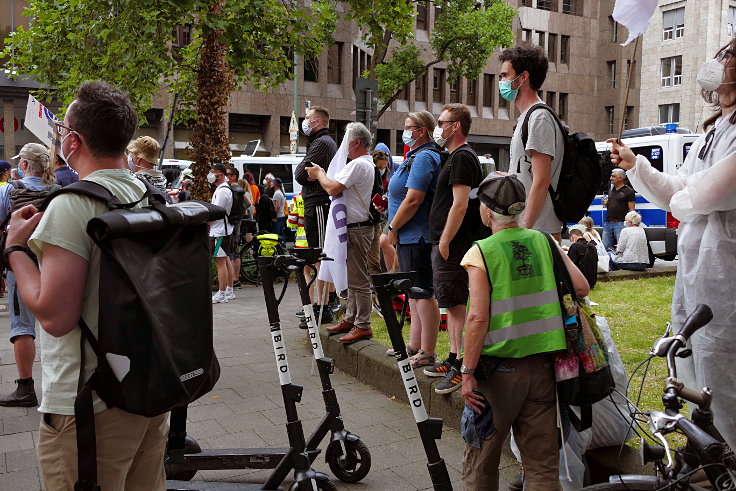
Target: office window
[562, 109]
[422, 15]
[627, 116]
[438, 85]
[456, 90]
[526, 3]
[609, 118]
[611, 69]
[437, 12]
[356, 64]
[404, 94]
[551, 96]
[334, 64]
[552, 47]
[541, 39]
[526, 35]
[182, 36]
[572, 7]
[420, 88]
[669, 113]
[311, 69]
[673, 22]
[488, 88]
[472, 93]
[564, 49]
[544, 4]
[731, 26]
[614, 29]
[671, 71]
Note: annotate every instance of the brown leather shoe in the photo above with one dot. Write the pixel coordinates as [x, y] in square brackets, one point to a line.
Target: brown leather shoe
[356, 334]
[341, 328]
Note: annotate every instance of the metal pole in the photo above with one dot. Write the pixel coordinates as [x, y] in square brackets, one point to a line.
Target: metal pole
[296, 95]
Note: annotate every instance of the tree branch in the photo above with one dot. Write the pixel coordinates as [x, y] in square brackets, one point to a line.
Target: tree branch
[418, 74]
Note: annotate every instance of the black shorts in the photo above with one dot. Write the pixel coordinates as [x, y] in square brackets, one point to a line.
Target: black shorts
[221, 246]
[234, 241]
[315, 223]
[450, 279]
[418, 257]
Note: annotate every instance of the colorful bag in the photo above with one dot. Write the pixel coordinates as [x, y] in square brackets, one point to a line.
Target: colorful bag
[583, 374]
[268, 244]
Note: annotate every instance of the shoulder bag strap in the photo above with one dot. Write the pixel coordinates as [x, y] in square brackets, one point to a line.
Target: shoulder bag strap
[84, 417]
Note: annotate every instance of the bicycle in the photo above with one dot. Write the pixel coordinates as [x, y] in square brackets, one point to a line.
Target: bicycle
[705, 450]
[249, 252]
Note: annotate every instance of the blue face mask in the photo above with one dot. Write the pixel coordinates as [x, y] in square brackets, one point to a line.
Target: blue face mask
[504, 87]
[20, 172]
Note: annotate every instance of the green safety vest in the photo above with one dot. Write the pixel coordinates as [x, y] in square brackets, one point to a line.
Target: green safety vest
[300, 240]
[526, 318]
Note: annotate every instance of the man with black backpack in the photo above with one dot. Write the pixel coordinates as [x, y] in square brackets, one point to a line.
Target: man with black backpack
[36, 183]
[221, 234]
[538, 160]
[235, 217]
[129, 447]
[454, 222]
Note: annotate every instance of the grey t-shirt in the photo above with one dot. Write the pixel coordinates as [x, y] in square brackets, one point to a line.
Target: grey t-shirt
[278, 203]
[544, 137]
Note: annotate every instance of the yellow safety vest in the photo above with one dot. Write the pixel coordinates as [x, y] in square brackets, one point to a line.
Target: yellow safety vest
[296, 220]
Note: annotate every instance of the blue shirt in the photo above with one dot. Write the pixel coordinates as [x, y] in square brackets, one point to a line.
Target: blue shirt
[422, 176]
[65, 176]
[30, 182]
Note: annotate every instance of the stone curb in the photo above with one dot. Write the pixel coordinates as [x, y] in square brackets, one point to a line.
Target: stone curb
[633, 275]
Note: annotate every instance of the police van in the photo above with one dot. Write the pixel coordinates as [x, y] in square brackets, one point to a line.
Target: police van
[666, 152]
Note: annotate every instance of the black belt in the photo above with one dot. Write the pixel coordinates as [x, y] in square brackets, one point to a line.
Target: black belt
[360, 224]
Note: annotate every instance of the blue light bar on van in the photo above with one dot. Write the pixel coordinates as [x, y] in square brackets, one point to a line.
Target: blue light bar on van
[670, 128]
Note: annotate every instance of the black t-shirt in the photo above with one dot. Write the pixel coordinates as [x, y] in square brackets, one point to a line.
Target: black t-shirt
[584, 255]
[461, 167]
[618, 203]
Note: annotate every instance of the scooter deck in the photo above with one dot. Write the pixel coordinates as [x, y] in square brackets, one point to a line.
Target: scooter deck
[211, 486]
[234, 458]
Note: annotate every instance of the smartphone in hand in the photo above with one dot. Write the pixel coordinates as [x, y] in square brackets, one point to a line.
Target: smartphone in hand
[380, 202]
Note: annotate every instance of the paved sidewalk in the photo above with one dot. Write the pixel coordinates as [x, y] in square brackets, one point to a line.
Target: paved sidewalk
[246, 409]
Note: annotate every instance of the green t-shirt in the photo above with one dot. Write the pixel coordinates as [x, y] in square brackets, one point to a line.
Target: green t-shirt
[64, 225]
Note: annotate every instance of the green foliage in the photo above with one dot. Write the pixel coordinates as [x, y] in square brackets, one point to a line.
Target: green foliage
[378, 17]
[404, 66]
[127, 43]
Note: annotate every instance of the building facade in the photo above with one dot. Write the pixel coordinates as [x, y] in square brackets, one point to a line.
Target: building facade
[586, 82]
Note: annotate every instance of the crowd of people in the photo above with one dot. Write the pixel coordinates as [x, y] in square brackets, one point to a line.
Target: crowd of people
[479, 245]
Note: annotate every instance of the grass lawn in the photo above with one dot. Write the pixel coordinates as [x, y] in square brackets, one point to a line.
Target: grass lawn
[636, 310]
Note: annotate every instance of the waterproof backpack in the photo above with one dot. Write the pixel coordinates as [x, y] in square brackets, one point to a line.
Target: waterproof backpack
[154, 345]
[580, 174]
[237, 212]
[268, 244]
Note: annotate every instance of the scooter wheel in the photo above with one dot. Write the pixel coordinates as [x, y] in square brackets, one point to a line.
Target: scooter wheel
[351, 467]
[190, 446]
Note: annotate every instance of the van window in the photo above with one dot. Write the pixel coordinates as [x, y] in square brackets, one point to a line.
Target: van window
[282, 171]
[685, 150]
[653, 153]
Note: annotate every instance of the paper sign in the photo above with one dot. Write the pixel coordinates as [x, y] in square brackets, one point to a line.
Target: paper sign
[40, 121]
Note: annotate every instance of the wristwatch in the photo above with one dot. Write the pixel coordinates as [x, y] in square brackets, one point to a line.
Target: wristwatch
[390, 228]
[464, 369]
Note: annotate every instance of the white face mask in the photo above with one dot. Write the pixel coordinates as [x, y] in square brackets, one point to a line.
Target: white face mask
[408, 140]
[211, 178]
[712, 74]
[131, 165]
[437, 136]
[305, 127]
[66, 158]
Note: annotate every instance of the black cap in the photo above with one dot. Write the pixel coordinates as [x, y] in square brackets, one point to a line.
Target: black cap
[220, 167]
[502, 194]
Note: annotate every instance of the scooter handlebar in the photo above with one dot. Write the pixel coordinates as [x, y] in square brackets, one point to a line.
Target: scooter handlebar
[402, 284]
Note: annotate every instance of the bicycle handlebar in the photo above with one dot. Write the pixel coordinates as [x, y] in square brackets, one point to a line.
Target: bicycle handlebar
[709, 448]
[700, 317]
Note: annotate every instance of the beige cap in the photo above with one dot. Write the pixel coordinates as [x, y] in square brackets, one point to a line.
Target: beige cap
[34, 152]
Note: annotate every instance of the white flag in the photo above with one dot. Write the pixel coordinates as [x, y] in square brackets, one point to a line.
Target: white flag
[336, 236]
[634, 15]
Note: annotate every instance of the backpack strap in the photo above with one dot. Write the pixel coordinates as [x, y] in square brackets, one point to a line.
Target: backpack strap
[525, 135]
[99, 192]
[84, 416]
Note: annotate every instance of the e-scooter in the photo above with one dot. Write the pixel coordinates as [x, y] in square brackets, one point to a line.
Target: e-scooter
[184, 457]
[386, 287]
[348, 457]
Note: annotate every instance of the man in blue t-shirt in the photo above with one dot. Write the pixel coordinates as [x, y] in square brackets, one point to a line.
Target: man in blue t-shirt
[410, 194]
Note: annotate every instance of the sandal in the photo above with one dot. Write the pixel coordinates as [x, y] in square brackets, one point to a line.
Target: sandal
[422, 359]
[409, 351]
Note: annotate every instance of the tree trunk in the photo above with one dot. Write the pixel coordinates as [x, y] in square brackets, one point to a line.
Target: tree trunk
[210, 140]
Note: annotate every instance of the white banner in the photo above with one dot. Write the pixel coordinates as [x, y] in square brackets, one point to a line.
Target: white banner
[336, 236]
[40, 121]
[634, 15]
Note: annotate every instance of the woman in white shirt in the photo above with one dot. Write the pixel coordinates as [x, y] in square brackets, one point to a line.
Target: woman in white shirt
[631, 252]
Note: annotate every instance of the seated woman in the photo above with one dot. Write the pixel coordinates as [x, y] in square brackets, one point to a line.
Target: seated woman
[631, 252]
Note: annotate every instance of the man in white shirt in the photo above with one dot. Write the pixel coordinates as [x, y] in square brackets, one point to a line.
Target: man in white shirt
[221, 233]
[356, 181]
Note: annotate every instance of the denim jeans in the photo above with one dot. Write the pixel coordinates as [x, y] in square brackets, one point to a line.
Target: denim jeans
[611, 233]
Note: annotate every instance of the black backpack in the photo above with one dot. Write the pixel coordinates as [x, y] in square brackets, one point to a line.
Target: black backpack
[580, 174]
[154, 345]
[376, 216]
[237, 212]
[265, 210]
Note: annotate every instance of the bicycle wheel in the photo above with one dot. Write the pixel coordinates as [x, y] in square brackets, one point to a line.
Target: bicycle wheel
[248, 265]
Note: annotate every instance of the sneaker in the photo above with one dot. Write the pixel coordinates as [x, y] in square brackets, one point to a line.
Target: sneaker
[229, 295]
[219, 297]
[327, 316]
[452, 381]
[439, 369]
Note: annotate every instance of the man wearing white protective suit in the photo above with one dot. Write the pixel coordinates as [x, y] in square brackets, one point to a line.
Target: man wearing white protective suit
[702, 195]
